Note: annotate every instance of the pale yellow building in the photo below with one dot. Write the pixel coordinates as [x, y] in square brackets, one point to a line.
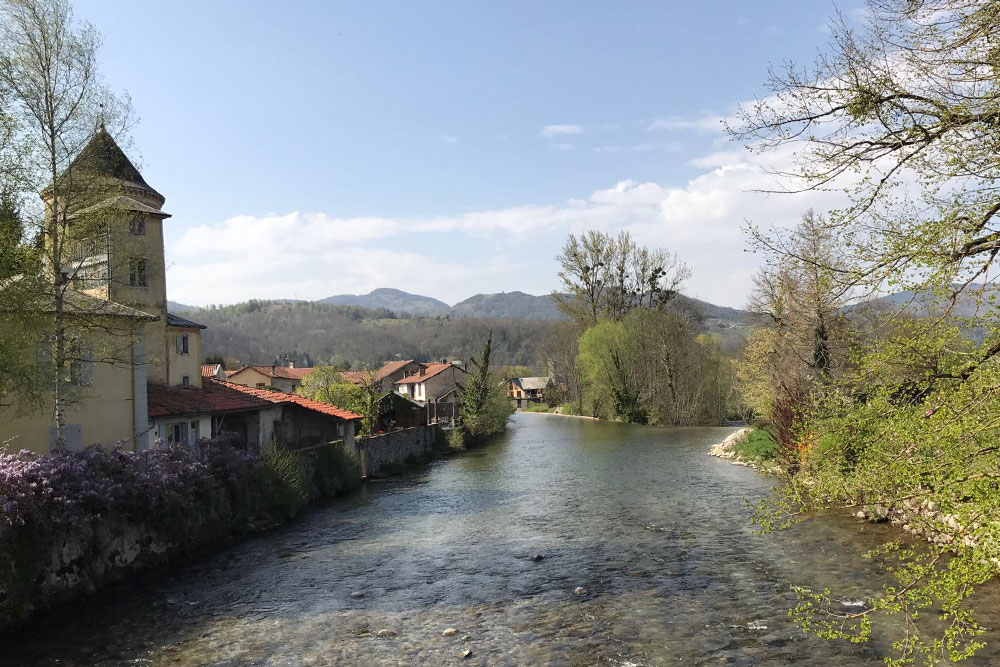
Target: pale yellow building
[114, 259]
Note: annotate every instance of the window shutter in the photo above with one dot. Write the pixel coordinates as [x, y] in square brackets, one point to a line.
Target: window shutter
[177, 344]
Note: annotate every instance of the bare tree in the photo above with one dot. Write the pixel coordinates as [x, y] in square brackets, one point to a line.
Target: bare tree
[604, 277]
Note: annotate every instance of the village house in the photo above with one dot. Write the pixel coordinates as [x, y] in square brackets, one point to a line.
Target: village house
[282, 378]
[528, 390]
[385, 377]
[436, 387]
[258, 418]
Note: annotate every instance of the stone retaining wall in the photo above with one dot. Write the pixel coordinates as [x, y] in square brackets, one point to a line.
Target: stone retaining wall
[385, 454]
[41, 567]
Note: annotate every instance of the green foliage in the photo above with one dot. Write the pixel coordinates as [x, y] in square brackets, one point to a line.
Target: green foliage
[569, 409]
[651, 367]
[281, 480]
[757, 447]
[538, 407]
[336, 471]
[456, 439]
[485, 404]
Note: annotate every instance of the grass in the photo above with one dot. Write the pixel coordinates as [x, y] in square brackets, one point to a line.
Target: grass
[757, 447]
[537, 407]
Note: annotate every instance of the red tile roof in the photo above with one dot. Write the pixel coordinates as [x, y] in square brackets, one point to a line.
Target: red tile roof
[213, 397]
[430, 371]
[390, 368]
[281, 397]
[276, 372]
[355, 377]
[209, 370]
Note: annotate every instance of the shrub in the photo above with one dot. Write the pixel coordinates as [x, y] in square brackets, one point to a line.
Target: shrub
[537, 407]
[336, 471]
[456, 440]
[280, 479]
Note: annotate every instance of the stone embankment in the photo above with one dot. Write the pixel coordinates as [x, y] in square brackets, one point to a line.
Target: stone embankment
[727, 448]
[42, 565]
[922, 518]
[387, 454]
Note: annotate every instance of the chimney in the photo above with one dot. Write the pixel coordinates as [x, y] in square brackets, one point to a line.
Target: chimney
[291, 363]
[420, 373]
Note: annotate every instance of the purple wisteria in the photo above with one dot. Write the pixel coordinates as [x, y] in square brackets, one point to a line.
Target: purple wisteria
[67, 487]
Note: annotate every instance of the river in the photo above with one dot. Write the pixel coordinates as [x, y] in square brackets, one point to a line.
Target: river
[653, 529]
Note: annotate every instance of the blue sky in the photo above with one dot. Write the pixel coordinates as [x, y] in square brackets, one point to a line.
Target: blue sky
[445, 148]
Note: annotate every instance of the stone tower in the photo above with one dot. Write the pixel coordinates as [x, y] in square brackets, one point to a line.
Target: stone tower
[114, 238]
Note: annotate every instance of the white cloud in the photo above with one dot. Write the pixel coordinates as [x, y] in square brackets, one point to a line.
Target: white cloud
[704, 123]
[550, 131]
[451, 257]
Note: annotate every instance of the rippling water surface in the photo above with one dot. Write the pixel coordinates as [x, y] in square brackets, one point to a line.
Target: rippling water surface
[653, 529]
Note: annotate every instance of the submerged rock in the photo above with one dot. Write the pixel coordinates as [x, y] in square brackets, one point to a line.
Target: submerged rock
[536, 557]
[466, 653]
[448, 632]
[357, 594]
[385, 632]
[579, 590]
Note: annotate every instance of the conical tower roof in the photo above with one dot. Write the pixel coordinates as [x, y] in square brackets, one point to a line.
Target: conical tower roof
[103, 158]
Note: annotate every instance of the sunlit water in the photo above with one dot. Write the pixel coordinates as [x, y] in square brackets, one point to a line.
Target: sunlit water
[654, 529]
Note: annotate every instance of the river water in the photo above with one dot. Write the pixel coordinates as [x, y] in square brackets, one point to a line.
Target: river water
[653, 528]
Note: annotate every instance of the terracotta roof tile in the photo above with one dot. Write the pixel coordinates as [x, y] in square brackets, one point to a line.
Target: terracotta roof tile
[355, 377]
[430, 371]
[281, 397]
[213, 397]
[276, 372]
[390, 368]
[210, 370]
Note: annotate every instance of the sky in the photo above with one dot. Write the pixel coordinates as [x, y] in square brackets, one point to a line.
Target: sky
[447, 148]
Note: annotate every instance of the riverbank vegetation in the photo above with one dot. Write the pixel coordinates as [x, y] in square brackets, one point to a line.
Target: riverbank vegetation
[631, 350]
[485, 406]
[888, 412]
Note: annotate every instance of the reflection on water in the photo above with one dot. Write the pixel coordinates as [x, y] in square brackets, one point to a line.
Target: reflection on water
[653, 529]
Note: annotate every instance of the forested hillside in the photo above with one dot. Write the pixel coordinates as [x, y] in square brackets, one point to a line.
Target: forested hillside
[348, 336]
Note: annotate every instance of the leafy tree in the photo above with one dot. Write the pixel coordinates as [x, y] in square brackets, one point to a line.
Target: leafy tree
[485, 405]
[902, 114]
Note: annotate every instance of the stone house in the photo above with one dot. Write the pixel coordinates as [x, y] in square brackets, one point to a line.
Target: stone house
[523, 391]
[436, 387]
[282, 378]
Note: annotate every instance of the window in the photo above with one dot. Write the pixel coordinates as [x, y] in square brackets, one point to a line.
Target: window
[182, 344]
[177, 434]
[137, 226]
[260, 385]
[186, 381]
[137, 273]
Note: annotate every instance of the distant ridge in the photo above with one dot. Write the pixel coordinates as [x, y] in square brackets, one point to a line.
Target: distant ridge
[174, 307]
[515, 305]
[508, 305]
[395, 300]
